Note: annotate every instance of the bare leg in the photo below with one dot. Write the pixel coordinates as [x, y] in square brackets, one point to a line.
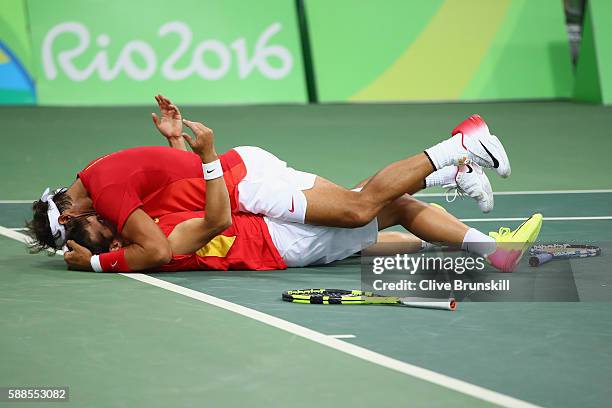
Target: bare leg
[386, 237]
[401, 177]
[423, 220]
[393, 242]
[335, 206]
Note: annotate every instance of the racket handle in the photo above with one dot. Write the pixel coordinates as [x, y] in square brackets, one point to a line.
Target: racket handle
[446, 304]
[540, 259]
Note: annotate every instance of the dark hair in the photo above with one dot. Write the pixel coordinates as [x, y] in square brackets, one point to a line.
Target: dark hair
[39, 229]
[80, 235]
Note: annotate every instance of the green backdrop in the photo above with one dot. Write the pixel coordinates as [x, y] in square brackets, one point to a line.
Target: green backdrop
[594, 69]
[397, 50]
[102, 52]
[195, 51]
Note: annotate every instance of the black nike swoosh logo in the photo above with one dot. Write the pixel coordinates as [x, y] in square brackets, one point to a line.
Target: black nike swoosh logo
[210, 171]
[470, 169]
[495, 161]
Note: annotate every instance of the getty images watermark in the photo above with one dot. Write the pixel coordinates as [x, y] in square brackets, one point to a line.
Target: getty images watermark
[445, 272]
[417, 264]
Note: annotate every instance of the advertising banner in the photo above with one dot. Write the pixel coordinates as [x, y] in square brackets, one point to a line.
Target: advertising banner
[411, 50]
[16, 82]
[195, 51]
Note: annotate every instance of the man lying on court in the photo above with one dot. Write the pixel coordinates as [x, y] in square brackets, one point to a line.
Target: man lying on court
[216, 239]
[131, 187]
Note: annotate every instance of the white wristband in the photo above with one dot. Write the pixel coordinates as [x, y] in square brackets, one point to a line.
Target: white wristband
[95, 263]
[212, 170]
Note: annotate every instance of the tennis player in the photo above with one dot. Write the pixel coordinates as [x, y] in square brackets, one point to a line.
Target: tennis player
[256, 242]
[219, 240]
[118, 187]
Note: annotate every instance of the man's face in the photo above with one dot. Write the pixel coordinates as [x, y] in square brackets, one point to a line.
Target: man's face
[98, 229]
[100, 233]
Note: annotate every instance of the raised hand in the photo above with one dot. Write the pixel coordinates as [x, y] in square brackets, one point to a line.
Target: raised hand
[170, 124]
[204, 143]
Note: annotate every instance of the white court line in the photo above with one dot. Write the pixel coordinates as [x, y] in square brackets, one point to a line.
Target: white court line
[599, 217]
[323, 339]
[348, 348]
[535, 192]
[18, 236]
[342, 336]
[9, 233]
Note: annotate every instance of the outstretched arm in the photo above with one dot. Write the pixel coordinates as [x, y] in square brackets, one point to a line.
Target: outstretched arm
[191, 235]
[170, 124]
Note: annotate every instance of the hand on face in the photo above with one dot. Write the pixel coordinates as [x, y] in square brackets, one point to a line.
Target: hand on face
[95, 235]
[78, 258]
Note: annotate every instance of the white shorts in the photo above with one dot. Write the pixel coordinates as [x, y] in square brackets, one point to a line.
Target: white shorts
[271, 188]
[303, 245]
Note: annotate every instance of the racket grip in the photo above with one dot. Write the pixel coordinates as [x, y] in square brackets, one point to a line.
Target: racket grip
[540, 259]
[446, 304]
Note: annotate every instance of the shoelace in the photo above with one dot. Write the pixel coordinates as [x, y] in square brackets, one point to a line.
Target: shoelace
[457, 192]
[503, 231]
[455, 189]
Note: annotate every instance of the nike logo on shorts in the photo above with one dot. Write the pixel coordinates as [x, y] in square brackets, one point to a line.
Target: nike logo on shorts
[114, 265]
[292, 209]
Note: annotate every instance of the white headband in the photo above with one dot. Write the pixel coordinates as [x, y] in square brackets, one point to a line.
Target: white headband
[57, 230]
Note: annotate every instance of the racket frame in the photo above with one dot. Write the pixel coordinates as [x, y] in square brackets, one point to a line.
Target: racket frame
[359, 297]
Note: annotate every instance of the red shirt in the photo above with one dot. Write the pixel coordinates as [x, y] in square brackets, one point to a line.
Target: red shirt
[245, 245]
[161, 180]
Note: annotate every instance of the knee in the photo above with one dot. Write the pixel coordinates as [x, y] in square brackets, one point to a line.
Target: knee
[358, 216]
[406, 203]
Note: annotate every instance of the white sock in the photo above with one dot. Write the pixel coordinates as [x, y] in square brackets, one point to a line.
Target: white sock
[442, 177]
[425, 246]
[445, 153]
[478, 243]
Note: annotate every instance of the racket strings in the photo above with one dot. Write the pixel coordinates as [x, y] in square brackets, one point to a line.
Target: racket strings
[566, 250]
[320, 294]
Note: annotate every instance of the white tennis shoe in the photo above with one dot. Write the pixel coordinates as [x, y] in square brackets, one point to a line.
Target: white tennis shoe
[472, 181]
[478, 145]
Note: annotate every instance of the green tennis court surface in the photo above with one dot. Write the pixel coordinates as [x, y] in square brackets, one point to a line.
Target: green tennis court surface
[119, 342]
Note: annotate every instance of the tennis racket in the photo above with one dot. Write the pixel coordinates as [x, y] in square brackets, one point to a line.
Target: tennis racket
[358, 297]
[543, 253]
